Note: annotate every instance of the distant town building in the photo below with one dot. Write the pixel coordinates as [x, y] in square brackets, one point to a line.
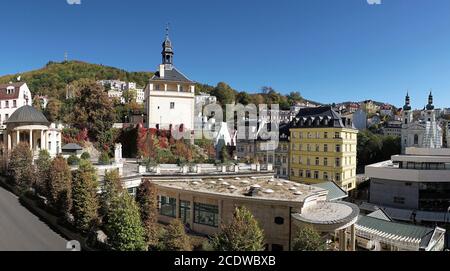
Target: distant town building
[393, 128]
[116, 94]
[323, 148]
[42, 100]
[370, 107]
[116, 88]
[169, 95]
[386, 110]
[353, 107]
[140, 95]
[374, 120]
[423, 133]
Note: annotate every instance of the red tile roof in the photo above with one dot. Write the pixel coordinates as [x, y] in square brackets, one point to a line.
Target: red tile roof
[14, 95]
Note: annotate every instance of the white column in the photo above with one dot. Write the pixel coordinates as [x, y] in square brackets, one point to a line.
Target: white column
[31, 139]
[9, 142]
[353, 237]
[42, 140]
[17, 137]
[46, 141]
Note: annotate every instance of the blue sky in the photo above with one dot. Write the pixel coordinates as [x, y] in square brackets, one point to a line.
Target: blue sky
[329, 50]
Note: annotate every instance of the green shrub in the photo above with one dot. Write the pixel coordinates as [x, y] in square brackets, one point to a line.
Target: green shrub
[85, 156]
[73, 160]
[104, 159]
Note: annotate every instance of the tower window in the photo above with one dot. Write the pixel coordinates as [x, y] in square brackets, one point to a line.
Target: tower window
[279, 220]
[172, 105]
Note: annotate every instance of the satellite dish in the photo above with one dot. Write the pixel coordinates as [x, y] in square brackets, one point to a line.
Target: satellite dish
[18, 78]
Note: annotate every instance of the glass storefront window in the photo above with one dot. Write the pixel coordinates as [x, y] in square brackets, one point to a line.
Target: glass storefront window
[167, 206]
[185, 211]
[206, 214]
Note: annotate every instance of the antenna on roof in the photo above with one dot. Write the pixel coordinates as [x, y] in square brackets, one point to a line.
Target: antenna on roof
[167, 30]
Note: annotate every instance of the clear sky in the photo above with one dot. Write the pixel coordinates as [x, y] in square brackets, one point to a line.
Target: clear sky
[329, 50]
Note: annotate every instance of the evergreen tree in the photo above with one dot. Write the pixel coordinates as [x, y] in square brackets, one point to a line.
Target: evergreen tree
[124, 227]
[175, 237]
[60, 185]
[84, 195]
[112, 188]
[148, 203]
[43, 164]
[21, 166]
[242, 234]
[308, 239]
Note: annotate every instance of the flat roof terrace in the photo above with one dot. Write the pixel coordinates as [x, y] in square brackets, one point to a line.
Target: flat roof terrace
[256, 187]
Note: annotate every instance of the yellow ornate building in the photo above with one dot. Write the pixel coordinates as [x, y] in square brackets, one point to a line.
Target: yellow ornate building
[323, 148]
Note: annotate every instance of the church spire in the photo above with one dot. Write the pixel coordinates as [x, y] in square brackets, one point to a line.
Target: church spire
[407, 102]
[430, 105]
[167, 52]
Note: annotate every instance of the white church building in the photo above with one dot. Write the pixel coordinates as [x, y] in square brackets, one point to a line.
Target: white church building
[169, 95]
[422, 133]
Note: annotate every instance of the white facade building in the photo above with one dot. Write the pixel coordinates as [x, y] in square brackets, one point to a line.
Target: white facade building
[13, 96]
[140, 95]
[169, 95]
[424, 133]
[116, 94]
[117, 88]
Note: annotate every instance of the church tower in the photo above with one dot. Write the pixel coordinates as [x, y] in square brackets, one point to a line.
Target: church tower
[170, 95]
[430, 112]
[407, 114]
[167, 52]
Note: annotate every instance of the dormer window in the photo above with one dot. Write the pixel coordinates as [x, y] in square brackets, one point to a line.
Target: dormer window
[9, 90]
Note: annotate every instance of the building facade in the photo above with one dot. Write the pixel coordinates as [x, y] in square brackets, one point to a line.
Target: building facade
[422, 133]
[169, 95]
[12, 97]
[204, 203]
[393, 128]
[323, 148]
[418, 180]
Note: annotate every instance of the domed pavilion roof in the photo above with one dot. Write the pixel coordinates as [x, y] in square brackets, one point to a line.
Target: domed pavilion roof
[27, 115]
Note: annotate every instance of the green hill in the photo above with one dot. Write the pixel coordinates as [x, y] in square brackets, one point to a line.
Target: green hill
[52, 79]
